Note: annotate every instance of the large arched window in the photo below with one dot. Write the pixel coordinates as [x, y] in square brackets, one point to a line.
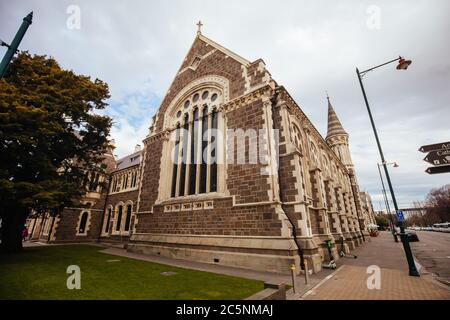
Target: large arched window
[83, 222]
[194, 168]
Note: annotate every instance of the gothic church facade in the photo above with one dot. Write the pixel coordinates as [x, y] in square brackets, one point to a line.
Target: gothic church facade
[170, 199]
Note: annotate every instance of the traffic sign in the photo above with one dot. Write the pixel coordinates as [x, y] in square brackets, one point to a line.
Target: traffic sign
[440, 169]
[400, 215]
[438, 157]
[433, 147]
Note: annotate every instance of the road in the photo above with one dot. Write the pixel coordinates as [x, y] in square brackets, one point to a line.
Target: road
[433, 252]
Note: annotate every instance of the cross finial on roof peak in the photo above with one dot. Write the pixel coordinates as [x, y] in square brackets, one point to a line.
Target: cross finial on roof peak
[199, 25]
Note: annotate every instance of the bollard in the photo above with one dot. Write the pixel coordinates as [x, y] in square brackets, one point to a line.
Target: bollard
[306, 272]
[293, 276]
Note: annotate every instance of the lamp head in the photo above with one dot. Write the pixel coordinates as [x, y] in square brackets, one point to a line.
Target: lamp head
[396, 165]
[403, 64]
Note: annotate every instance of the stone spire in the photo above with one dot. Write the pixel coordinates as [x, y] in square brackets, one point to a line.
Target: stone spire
[334, 125]
[337, 137]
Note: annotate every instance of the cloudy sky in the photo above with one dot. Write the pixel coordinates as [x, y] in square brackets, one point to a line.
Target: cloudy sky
[308, 46]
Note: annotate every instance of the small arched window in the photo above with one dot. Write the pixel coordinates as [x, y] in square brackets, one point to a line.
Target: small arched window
[314, 156]
[128, 217]
[119, 218]
[108, 219]
[83, 222]
[296, 137]
[326, 164]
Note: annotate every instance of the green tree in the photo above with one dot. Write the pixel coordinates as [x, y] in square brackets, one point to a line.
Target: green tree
[382, 222]
[50, 136]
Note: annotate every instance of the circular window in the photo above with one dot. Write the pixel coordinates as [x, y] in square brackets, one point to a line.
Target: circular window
[186, 104]
[214, 97]
[205, 95]
[178, 113]
[196, 96]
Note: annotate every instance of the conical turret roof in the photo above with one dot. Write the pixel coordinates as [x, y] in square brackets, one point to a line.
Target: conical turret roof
[334, 125]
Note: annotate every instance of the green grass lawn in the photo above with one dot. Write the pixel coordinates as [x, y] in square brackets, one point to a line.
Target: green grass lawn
[40, 273]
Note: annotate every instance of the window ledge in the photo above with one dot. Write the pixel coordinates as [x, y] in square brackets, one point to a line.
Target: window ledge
[125, 190]
[194, 197]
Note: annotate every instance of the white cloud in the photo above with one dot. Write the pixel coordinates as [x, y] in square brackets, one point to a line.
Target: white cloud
[127, 136]
[308, 46]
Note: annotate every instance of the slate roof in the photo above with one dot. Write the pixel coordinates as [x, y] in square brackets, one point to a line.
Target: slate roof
[129, 160]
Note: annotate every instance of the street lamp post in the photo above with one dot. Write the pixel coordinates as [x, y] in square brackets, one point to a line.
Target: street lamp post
[12, 48]
[386, 201]
[402, 65]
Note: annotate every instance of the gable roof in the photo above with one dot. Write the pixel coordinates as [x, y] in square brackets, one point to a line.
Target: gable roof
[129, 160]
[226, 51]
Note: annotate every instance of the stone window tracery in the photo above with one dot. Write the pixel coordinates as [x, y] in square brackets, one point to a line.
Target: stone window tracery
[125, 180]
[296, 137]
[194, 169]
[314, 155]
[123, 218]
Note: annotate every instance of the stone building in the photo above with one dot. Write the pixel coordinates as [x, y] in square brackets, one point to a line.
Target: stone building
[232, 172]
[368, 212]
[81, 223]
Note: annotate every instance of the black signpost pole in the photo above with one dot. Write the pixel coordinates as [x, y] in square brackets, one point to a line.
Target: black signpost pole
[409, 256]
[387, 205]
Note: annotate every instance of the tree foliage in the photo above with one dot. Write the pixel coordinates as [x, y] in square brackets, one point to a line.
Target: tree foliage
[382, 221]
[50, 135]
[438, 201]
[435, 209]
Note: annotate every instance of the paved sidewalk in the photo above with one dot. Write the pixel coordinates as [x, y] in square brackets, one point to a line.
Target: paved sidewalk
[349, 282]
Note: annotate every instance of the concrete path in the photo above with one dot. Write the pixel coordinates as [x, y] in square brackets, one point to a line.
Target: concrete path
[28, 244]
[355, 281]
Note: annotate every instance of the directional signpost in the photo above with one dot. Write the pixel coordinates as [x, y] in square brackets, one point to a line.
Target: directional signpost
[439, 156]
[440, 169]
[433, 147]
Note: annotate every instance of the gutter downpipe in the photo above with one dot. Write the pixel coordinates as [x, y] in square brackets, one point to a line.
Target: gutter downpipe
[274, 100]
